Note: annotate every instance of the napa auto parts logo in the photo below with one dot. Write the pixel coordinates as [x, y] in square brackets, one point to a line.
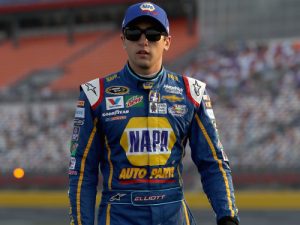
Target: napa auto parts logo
[148, 141]
[147, 7]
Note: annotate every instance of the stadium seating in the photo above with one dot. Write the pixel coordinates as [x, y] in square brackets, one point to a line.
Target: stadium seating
[38, 53]
[255, 86]
[108, 56]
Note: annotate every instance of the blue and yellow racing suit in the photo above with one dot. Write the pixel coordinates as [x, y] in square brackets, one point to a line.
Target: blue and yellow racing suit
[136, 131]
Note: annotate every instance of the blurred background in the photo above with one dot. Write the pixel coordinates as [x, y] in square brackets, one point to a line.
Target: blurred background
[248, 53]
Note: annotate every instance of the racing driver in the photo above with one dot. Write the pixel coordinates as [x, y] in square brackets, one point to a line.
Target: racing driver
[133, 125]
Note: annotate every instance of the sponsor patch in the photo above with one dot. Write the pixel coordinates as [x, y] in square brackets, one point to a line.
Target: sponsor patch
[80, 103]
[195, 89]
[90, 88]
[147, 6]
[206, 97]
[115, 118]
[114, 102]
[207, 101]
[134, 101]
[173, 89]
[221, 146]
[172, 76]
[208, 104]
[72, 163]
[150, 198]
[116, 112]
[73, 148]
[158, 108]
[172, 98]
[111, 77]
[75, 135]
[224, 156]
[78, 122]
[178, 110]
[73, 172]
[148, 85]
[116, 197]
[154, 96]
[117, 90]
[148, 141]
[210, 114]
[79, 113]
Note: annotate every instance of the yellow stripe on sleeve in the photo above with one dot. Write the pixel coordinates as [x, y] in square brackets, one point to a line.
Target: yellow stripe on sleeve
[82, 167]
[187, 219]
[212, 148]
[110, 164]
[108, 214]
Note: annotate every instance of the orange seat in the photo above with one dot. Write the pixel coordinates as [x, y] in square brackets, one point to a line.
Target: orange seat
[36, 53]
[110, 57]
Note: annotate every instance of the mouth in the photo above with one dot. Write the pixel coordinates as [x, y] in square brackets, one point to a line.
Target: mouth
[143, 52]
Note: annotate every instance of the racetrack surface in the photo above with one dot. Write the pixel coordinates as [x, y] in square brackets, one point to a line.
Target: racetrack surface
[38, 216]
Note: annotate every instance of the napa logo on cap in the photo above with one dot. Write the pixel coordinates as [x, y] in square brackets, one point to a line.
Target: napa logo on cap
[148, 141]
[147, 7]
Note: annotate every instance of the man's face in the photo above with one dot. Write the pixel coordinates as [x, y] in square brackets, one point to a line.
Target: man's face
[145, 56]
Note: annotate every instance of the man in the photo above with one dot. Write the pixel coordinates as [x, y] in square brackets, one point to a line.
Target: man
[134, 125]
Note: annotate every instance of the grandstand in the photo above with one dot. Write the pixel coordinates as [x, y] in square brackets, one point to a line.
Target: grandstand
[255, 82]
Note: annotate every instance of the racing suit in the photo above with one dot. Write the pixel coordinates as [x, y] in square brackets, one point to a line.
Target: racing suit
[136, 131]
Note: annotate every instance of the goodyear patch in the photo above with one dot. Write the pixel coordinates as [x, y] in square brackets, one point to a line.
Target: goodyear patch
[115, 113]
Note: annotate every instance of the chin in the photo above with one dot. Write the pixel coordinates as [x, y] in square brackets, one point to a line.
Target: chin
[144, 65]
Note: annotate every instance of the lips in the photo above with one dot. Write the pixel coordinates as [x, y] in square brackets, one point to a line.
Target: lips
[143, 52]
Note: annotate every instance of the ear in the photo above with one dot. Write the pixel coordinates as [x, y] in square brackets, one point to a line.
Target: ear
[167, 42]
[123, 40]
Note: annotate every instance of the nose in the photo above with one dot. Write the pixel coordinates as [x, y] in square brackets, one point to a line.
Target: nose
[143, 39]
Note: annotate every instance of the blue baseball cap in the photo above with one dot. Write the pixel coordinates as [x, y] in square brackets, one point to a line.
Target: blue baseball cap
[146, 9]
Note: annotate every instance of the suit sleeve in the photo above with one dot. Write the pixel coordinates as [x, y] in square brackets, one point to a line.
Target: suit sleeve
[84, 164]
[211, 161]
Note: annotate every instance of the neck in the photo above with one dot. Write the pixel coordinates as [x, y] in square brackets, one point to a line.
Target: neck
[145, 71]
[147, 76]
